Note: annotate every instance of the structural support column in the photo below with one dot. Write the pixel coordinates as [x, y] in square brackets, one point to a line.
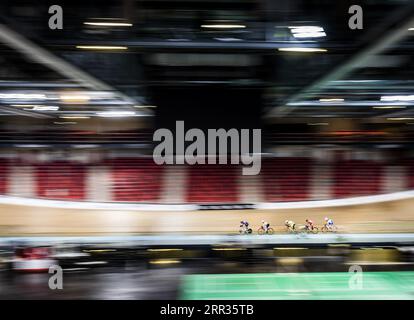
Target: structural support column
[98, 184]
[394, 179]
[251, 189]
[21, 181]
[174, 185]
[321, 182]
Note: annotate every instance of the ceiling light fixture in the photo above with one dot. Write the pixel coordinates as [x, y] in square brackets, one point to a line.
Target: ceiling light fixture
[318, 124]
[310, 35]
[307, 32]
[22, 96]
[108, 24]
[31, 146]
[24, 105]
[223, 26]
[102, 47]
[74, 117]
[45, 108]
[400, 119]
[116, 114]
[389, 107]
[64, 122]
[74, 98]
[331, 100]
[302, 49]
[398, 98]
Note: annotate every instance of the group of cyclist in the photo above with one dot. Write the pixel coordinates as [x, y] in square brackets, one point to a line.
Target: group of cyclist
[265, 227]
[289, 224]
[328, 225]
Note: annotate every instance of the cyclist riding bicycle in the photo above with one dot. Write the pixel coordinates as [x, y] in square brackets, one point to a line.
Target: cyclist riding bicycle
[244, 224]
[290, 225]
[309, 224]
[329, 224]
[265, 225]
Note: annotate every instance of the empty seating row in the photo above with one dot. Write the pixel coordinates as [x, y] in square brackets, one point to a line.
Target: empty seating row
[135, 179]
[286, 179]
[213, 183]
[141, 180]
[60, 180]
[357, 178]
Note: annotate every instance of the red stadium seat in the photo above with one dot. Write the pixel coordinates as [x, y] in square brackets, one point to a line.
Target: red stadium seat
[357, 178]
[135, 179]
[286, 179]
[141, 180]
[4, 169]
[61, 180]
[212, 184]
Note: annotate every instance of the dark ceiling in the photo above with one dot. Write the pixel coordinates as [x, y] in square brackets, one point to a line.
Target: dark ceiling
[174, 59]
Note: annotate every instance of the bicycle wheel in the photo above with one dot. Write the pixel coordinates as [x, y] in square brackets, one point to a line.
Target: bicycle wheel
[260, 231]
[315, 230]
[270, 231]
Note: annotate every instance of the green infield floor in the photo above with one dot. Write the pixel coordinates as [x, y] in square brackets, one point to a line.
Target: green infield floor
[307, 286]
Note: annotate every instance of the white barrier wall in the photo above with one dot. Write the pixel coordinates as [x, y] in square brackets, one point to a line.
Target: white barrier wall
[21, 181]
[374, 214]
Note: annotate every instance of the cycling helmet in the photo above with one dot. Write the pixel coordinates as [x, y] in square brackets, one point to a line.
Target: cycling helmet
[326, 219]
